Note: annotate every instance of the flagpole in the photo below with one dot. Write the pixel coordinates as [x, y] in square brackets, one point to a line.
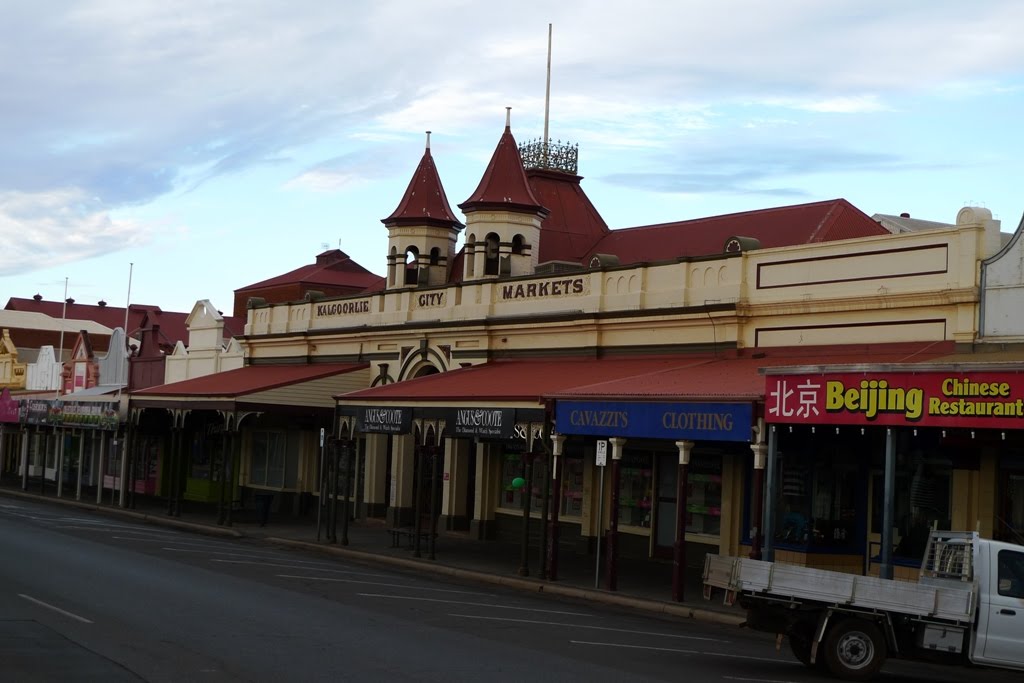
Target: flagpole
[60, 353]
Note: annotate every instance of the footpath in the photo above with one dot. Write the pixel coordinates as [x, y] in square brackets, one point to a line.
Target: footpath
[642, 585]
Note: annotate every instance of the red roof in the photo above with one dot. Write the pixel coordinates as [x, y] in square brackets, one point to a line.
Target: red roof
[172, 325]
[740, 378]
[826, 221]
[573, 226]
[424, 202]
[503, 185]
[332, 267]
[516, 380]
[252, 378]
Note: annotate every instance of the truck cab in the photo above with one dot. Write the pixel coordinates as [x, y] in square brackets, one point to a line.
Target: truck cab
[999, 637]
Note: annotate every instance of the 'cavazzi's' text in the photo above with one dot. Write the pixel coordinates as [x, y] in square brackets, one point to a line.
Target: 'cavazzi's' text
[960, 397]
[536, 290]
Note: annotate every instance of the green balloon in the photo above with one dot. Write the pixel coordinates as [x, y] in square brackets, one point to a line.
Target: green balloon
[518, 483]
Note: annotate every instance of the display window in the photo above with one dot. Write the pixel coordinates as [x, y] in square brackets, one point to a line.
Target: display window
[274, 459]
[572, 487]
[704, 495]
[636, 489]
[513, 466]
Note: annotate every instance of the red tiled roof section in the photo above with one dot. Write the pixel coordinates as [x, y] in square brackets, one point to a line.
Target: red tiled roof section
[172, 325]
[332, 267]
[517, 380]
[573, 226]
[241, 381]
[424, 202]
[782, 226]
[504, 185]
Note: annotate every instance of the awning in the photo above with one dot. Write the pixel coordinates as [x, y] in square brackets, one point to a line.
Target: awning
[259, 387]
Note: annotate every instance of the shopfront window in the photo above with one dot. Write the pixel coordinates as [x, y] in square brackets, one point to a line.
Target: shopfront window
[704, 495]
[636, 489]
[921, 499]
[513, 466]
[819, 493]
[572, 487]
[274, 459]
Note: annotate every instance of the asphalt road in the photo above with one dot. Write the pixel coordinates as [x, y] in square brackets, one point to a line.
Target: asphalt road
[88, 597]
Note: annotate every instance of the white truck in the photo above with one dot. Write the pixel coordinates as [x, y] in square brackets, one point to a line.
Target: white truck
[966, 608]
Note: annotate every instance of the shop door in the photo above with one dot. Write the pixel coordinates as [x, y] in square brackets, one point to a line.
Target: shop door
[665, 514]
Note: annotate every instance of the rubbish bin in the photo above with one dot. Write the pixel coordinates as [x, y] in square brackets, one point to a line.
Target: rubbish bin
[263, 501]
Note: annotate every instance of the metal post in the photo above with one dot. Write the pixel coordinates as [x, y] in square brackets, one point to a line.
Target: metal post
[889, 504]
[348, 462]
[81, 459]
[679, 554]
[172, 459]
[612, 555]
[524, 556]
[435, 461]
[332, 522]
[321, 497]
[122, 500]
[544, 505]
[556, 474]
[225, 451]
[60, 463]
[600, 529]
[236, 450]
[101, 467]
[24, 459]
[417, 522]
[771, 473]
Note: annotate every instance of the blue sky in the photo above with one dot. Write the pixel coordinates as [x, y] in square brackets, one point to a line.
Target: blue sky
[216, 144]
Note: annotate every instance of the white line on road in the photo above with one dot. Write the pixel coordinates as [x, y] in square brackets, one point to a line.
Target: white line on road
[215, 552]
[775, 660]
[760, 680]
[595, 628]
[101, 525]
[474, 604]
[636, 647]
[296, 566]
[55, 609]
[378, 583]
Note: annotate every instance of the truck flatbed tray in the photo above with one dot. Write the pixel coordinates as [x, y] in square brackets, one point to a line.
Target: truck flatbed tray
[792, 582]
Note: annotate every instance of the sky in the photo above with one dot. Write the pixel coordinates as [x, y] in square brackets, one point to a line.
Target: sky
[167, 152]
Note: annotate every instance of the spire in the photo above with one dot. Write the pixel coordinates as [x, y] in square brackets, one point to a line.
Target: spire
[504, 185]
[424, 202]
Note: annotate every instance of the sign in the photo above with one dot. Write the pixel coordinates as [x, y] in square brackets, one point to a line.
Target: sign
[8, 407]
[342, 308]
[546, 289]
[78, 414]
[321, 437]
[384, 420]
[674, 421]
[484, 423]
[917, 399]
[602, 453]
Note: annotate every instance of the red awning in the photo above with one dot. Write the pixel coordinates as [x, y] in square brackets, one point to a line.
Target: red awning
[740, 377]
[247, 380]
[516, 380]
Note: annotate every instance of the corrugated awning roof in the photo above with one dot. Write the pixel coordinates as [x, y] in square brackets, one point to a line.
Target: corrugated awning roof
[247, 380]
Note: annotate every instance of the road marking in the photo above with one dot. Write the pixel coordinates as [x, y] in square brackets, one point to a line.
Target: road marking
[760, 680]
[99, 524]
[474, 604]
[595, 628]
[636, 647]
[55, 609]
[208, 551]
[773, 660]
[378, 583]
[295, 566]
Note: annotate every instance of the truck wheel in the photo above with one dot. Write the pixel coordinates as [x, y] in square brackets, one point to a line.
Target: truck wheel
[855, 649]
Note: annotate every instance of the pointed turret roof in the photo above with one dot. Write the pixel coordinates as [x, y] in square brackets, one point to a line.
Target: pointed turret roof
[504, 185]
[424, 202]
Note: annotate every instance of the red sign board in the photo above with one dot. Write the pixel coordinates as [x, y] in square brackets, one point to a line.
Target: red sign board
[922, 399]
[8, 407]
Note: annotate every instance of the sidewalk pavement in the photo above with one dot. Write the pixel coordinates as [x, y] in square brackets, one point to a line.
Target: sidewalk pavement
[643, 585]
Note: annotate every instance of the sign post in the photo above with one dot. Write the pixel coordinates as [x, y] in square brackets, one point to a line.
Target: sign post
[320, 502]
[602, 460]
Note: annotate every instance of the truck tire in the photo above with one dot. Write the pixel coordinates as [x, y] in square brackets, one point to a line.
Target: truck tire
[854, 649]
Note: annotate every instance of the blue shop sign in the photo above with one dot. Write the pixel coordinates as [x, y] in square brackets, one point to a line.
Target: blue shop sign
[674, 421]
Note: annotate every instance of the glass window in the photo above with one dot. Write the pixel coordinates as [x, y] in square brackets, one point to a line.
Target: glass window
[1011, 574]
[704, 495]
[274, 459]
[921, 500]
[514, 465]
[818, 487]
[636, 489]
[572, 487]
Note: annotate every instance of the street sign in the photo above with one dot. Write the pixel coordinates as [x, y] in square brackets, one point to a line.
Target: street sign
[321, 437]
[602, 453]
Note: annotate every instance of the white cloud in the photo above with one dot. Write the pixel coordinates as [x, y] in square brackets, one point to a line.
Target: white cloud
[40, 230]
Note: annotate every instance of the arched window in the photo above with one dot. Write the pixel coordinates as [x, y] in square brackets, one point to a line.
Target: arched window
[412, 266]
[517, 244]
[392, 265]
[435, 256]
[491, 243]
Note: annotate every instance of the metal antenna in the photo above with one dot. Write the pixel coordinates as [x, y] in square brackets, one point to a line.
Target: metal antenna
[547, 100]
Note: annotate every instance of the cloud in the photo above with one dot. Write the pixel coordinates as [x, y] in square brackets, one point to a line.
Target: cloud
[47, 229]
